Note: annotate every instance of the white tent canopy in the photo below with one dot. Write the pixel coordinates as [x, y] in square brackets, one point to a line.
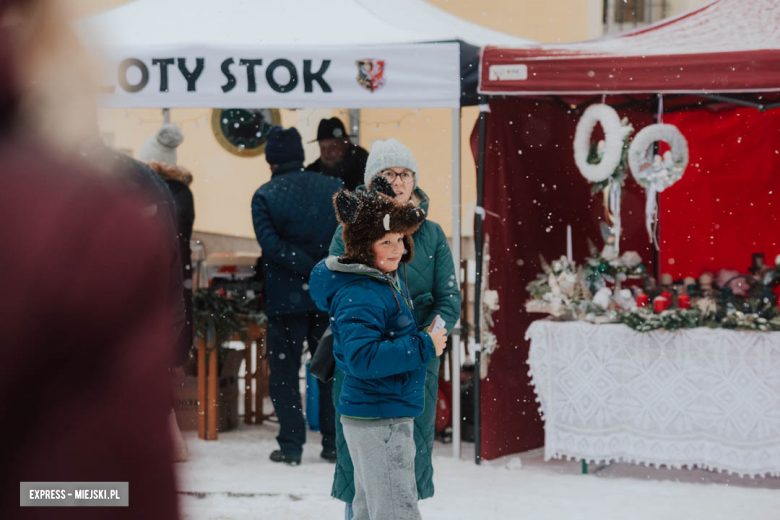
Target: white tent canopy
[283, 54]
[295, 54]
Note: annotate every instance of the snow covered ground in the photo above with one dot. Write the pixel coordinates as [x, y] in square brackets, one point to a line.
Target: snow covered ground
[232, 478]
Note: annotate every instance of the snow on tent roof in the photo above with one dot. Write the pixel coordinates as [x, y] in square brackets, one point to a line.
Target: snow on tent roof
[724, 46]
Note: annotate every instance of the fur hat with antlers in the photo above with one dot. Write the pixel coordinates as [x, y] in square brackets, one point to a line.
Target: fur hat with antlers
[369, 215]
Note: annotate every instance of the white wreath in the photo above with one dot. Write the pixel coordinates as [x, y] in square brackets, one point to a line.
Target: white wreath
[614, 134]
[653, 172]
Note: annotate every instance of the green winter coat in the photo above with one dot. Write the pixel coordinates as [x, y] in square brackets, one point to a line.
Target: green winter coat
[431, 281]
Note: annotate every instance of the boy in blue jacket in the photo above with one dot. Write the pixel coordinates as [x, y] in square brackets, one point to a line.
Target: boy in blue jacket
[378, 346]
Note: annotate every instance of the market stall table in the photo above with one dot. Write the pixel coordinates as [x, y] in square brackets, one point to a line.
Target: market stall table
[699, 397]
[208, 381]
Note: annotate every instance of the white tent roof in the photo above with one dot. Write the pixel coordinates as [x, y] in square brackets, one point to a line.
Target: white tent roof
[413, 65]
[286, 22]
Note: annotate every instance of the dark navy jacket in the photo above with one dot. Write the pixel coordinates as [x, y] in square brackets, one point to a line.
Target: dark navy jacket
[294, 221]
[376, 341]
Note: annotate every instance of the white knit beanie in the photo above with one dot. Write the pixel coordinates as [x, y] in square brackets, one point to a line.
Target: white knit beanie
[389, 154]
[161, 145]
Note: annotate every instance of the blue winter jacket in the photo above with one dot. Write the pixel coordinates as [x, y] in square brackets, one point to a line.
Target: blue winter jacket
[376, 341]
[294, 222]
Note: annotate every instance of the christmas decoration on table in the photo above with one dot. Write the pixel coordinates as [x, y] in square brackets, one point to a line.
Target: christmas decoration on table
[624, 299]
[605, 163]
[568, 292]
[744, 300]
[557, 289]
[707, 305]
[593, 293]
[225, 315]
[603, 298]
[705, 282]
[736, 301]
[750, 321]
[758, 264]
[608, 268]
[601, 309]
[731, 280]
[660, 303]
[645, 320]
[771, 275]
[656, 172]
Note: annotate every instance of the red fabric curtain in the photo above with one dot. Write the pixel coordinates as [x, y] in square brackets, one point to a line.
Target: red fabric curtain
[727, 205]
[532, 191]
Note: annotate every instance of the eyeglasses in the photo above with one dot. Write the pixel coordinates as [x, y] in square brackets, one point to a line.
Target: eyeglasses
[406, 176]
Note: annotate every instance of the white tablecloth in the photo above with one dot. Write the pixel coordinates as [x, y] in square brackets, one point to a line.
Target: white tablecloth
[702, 397]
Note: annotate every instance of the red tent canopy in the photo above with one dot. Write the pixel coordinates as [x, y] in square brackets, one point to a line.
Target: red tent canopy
[722, 211]
[725, 46]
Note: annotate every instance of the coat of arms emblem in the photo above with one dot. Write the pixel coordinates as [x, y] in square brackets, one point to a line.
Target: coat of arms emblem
[371, 74]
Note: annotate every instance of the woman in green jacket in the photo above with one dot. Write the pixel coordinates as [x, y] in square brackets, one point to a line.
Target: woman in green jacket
[434, 290]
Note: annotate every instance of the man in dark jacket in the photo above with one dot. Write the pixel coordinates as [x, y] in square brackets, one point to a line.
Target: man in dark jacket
[338, 156]
[294, 221]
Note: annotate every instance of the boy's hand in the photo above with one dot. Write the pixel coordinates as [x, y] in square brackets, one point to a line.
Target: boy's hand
[439, 340]
[436, 324]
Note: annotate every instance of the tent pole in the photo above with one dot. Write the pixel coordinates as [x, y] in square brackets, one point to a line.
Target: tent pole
[354, 125]
[456, 255]
[734, 101]
[761, 107]
[659, 115]
[478, 241]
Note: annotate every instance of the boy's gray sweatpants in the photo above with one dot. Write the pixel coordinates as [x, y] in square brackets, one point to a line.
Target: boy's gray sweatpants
[382, 452]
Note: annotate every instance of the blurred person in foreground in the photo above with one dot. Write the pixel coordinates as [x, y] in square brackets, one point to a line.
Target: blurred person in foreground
[86, 336]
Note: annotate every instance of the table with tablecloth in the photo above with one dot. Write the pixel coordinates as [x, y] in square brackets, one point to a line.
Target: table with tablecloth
[700, 397]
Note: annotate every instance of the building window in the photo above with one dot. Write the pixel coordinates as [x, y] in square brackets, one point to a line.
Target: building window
[623, 15]
[629, 11]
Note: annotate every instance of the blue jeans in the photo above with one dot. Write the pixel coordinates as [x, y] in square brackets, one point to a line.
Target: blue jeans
[286, 335]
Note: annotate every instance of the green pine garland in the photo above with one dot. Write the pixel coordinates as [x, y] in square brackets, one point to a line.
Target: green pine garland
[227, 317]
[645, 320]
[619, 175]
